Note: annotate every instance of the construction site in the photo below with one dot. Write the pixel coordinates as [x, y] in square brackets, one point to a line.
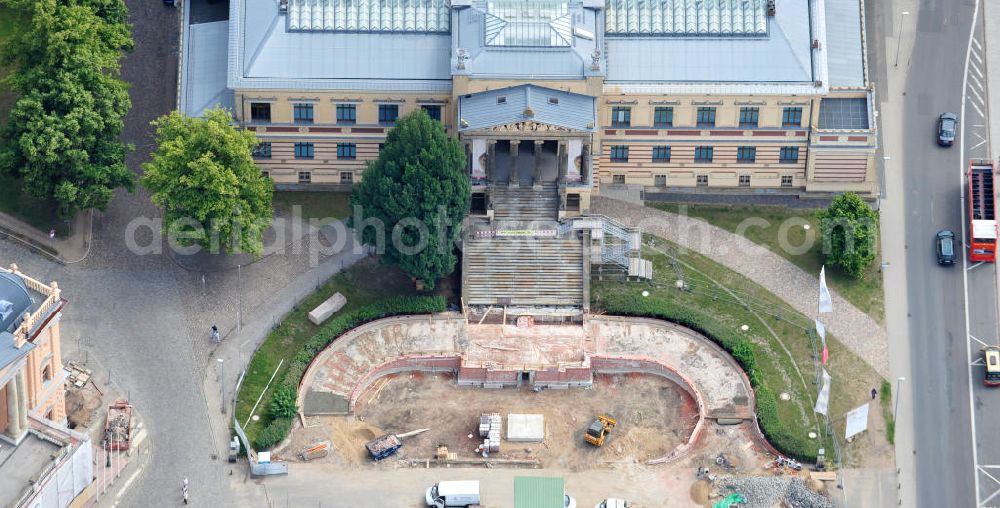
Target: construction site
[525, 377]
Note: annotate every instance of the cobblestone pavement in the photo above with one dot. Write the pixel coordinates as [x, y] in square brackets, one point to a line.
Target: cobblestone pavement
[147, 317]
[853, 328]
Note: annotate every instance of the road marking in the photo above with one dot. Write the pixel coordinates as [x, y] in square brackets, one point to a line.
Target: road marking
[979, 144]
[973, 267]
[973, 337]
[980, 97]
[973, 104]
[976, 43]
[994, 494]
[965, 272]
[128, 482]
[979, 84]
[976, 69]
[975, 54]
[977, 363]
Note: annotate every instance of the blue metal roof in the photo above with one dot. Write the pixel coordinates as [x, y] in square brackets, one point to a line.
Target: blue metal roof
[845, 56]
[204, 78]
[500, 41]
[783, 56]
[263, 53]
[15, 300]
[509, 105]
[10, 354]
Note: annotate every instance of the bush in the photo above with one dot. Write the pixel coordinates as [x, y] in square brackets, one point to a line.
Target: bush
[744, 351]
[273, 433]
[283, 402]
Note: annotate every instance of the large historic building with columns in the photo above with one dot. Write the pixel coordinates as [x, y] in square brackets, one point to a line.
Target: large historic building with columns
[681, 95]
[31, 371]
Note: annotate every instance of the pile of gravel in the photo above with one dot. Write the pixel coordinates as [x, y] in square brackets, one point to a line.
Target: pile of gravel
[769, 491]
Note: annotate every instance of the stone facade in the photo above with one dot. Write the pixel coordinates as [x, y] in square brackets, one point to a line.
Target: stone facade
[33, 383]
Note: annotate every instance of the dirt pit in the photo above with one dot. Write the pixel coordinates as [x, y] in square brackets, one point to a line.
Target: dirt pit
[654, 417]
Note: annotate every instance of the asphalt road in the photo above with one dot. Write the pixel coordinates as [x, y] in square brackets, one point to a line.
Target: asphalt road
[937, 447]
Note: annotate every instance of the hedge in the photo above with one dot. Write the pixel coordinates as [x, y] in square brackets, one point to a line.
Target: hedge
[742, 349]
[280, 425]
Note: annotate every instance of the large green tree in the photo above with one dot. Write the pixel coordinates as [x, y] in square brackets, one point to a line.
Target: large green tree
[419, 190]
[849, 228]
[62, 134]
[202, 174]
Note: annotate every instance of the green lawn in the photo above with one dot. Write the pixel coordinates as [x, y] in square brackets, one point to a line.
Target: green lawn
[363, 284]
[315, 205]
[39, 213]
[866, 294]
[728, 300]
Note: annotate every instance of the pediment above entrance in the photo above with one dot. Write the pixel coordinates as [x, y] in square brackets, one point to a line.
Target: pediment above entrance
[525, 127]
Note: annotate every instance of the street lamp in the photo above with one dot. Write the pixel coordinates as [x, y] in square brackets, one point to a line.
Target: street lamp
[899, 36]
[895, 407]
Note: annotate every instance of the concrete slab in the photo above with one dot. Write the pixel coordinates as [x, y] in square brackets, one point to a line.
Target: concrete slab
[522, 428]
[323, 311]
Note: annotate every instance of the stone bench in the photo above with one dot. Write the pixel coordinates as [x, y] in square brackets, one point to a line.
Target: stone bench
[326, 309]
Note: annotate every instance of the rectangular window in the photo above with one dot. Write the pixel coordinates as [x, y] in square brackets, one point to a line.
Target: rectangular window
[702, 180]
[347, 113]
[262, 150]
[746, 153]
[621, 116]
[346, 177]
[303, 150]
[388, 113]
[792, 117]
[305, 177]
[660, 180]
[786, 180]
[703, 154]
[661, 154]
[744, 180]
[789, 154]
[749, 116]
[706, 117]
[433, 111]
[303, 112]
[663, 117]
[619, 153]
[260, 112]
[618, 179]
[573, 202]
[347, 151]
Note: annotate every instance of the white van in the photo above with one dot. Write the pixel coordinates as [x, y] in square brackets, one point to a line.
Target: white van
[454, 493]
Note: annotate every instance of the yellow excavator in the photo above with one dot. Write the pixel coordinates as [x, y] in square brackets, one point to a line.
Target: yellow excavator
[599, 429]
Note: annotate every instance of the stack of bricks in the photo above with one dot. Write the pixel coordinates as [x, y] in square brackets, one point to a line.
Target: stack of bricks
[491, 428]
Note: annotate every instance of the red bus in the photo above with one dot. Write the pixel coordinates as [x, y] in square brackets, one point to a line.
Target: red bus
[982, 212]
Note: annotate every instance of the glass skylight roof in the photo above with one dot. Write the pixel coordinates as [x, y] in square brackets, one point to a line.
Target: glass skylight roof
[528, 23]
[733, 18]
[369, 15]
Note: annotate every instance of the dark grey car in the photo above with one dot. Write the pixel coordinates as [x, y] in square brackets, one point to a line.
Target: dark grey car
[947, 125]
[945, 245]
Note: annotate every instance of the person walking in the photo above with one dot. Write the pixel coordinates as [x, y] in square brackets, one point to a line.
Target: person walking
[184, 488]
[215, 334]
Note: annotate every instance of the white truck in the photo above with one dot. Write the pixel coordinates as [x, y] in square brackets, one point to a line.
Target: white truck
[613, 502]
[453, 493]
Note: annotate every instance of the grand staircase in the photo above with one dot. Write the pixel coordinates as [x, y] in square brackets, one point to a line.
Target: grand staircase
[525, 203]
[524, 271]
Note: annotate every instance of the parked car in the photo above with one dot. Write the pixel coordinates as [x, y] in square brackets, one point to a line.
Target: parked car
[947, 125]
[945, 245]
[991, 358]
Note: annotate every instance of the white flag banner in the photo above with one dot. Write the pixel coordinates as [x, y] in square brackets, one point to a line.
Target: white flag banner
[825, 302]
[821, 331]
[857, 421]
[824, 395]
